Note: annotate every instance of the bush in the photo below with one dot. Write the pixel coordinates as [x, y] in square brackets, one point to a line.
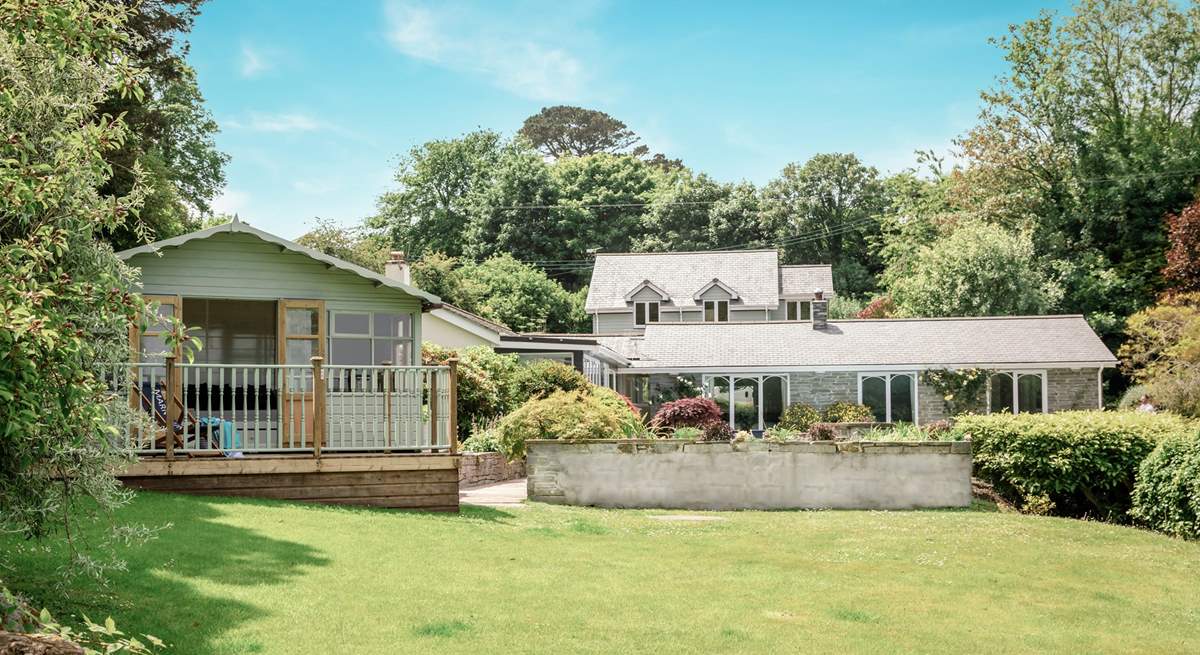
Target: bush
[615, 400]
[487, 381]
[562, 415]
[745, 415]
[1070, 463]
[693, 412]
[822, 432]
[543, 377]
[798, 417]
[1166, 496]
[781, 434]
[687, 432]
[844, 412]
[718, 431]
[485, 438]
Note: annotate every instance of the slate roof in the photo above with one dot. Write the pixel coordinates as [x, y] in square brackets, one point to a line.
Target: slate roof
[799, 282]
[753, 274]
[1057, 341]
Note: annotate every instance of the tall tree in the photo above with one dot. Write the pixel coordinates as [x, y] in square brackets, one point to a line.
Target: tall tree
[827, 211]
[359, 245]
[698, 213]
[566, 131]
[1183, 259]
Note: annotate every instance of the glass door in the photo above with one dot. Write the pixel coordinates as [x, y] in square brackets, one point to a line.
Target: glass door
[301, 337]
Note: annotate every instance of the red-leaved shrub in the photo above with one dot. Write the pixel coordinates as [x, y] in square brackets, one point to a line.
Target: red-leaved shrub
[881, 307]
[687, 412]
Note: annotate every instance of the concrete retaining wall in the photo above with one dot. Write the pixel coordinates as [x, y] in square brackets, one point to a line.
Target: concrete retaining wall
[486, 468]
[751, 475]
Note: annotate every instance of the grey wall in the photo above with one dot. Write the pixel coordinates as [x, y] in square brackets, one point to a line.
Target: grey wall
[752, 475]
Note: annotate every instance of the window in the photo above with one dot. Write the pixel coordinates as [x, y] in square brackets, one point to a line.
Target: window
[891, 396]
[645, 312]
[716, 311]
[370, 338]
[1017, 392]
[799, 310]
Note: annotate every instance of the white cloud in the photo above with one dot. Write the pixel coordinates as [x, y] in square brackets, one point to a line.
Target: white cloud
[500, 47]
[253, 61]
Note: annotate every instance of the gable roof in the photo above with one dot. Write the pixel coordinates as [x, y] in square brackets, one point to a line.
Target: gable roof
[991, 342]
[237, 226]
[646, 284]
[801, 281]
[754, 273]
[733, 295]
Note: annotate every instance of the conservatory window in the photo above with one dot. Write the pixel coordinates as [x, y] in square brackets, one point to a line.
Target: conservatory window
[1017, 392]
[891, 396]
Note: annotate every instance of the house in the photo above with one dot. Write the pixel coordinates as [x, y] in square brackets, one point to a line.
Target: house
[309, 380]
[629, 291]
[724, 323]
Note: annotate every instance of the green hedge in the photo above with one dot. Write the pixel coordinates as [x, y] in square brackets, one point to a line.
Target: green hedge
[1167, 494]
[1070, 463]
[565, 415]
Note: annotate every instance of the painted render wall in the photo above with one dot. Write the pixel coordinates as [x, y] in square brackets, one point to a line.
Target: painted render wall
[618, 322]
[752, 475]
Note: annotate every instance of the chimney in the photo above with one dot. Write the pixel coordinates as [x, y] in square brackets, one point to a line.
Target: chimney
[396, 268]
[820, 310]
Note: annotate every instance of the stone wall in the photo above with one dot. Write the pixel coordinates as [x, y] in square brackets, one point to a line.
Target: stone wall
[486, 468]
[823, 389]
[1072, 388]
[751, 475]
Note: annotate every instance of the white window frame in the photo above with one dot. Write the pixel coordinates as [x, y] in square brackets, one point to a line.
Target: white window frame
[370, 335]
[1015, 374]
[716, 306]
[790, 305]
[887, 395]
[645, 305]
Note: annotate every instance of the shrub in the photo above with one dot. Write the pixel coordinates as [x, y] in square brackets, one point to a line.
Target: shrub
[485, 438]
[1070, 463]
[743, 436]
[694, 412]
[822, 432]
[1166, 496]
[781, 434]
[487, 381]
[718, 431]
[844, 412]
[687, 432]
[543, 377]
[563, 415]
[799, 417]
[615, 400]
[745, 415]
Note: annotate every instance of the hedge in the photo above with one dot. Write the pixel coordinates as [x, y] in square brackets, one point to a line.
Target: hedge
[1166, 496]
[564, 415]
[1069, 463]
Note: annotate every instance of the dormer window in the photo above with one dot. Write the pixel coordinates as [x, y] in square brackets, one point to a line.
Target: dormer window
[716, 311]
[799, 310]
[645, 312]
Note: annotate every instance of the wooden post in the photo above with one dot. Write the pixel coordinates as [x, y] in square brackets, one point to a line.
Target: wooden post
[318, 405]
[169, 399]
[433, 408]
[453, 404]
[387, 404]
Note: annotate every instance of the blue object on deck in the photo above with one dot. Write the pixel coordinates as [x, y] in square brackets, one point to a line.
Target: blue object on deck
[231, 439]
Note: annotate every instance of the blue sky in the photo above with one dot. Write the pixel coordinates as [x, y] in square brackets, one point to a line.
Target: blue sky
[317, 99]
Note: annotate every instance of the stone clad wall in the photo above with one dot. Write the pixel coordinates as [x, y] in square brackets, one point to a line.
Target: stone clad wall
[752, 475]
[823, 389]
[1072, 388]
[487, 468]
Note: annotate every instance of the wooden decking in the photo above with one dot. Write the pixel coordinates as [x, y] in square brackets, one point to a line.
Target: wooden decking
[427, 482]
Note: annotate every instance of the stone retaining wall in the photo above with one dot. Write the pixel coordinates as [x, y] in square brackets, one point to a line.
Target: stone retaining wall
[751, 475]
[486, 468]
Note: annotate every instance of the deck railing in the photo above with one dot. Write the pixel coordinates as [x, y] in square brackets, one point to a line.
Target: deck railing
[236, 410]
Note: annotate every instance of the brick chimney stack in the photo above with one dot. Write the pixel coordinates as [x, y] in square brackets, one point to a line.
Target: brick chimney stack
[820, 310]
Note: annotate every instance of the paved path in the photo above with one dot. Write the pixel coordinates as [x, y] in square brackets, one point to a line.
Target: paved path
[500, 494]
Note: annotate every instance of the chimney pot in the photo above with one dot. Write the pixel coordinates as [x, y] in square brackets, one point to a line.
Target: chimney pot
[820, 310]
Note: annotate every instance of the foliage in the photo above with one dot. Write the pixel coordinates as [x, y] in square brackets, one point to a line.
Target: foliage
[614, 399]
[66, 300]
[485, 437]
[489, 383]
[695, 212]
[357, 245]
[784, 434]
[1069, 463]
[1183, 259]
[691, 412]
[566, 131]
[544, 377]
[845, 412]
[1162, 352]
[687, 432]
[844, 307]
[682, 386]
[798, 417]
[979, 270]
[745, 414]
[1166, 496]
[821, 432]
[962, 389]
[937, 431]
[562, 415]
[718, 431]
[880, 307]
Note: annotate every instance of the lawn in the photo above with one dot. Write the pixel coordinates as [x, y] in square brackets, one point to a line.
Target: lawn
[236, 576]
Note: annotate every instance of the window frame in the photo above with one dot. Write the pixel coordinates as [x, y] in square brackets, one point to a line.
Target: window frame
[370, 336]
[1016, 374]
[716, 311]
[792, 310]
[645, 306]
[887, 376]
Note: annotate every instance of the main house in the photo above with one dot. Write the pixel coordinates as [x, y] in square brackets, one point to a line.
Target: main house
[737, 324]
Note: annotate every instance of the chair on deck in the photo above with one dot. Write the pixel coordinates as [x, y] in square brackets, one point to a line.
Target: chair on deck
[154, 402]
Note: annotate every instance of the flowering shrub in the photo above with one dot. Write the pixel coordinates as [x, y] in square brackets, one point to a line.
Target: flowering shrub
[718, 431]
[799, 417]
[694, 412]
[844, 412]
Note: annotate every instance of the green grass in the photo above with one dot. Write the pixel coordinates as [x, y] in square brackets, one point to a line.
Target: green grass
[237, 576]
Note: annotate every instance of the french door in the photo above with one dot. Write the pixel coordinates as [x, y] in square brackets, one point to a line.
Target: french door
[301, 332]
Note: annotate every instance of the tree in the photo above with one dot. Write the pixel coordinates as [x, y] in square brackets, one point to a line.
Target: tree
[516, 211]
[697, 213]
[170, 133]
[435, 202]
[518, 295]
[66, 300]
[1183, 258]
[358, 245]
[979, 270]
[1162, 352]
[565, 131]
[827, 211]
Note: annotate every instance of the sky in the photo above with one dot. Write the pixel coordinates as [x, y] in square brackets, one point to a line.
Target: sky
[317, 100]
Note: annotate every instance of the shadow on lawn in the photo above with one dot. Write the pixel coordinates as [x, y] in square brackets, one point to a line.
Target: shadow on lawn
[157, 593]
